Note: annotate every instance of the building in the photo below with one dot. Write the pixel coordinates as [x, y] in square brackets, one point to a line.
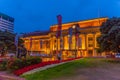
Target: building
[6, 23]
[84, 44]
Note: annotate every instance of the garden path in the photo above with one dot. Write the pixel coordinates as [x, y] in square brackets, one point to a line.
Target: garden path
[4, 75]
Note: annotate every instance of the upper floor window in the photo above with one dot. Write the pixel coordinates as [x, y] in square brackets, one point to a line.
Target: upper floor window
[90, 45]
[90, 38]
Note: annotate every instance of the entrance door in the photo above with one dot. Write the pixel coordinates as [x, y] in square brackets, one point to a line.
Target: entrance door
[90, 53]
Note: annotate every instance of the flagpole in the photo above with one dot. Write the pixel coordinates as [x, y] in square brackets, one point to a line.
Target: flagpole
[98, 13]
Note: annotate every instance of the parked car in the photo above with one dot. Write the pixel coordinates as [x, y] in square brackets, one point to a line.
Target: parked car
[117, 55]
[110, 55]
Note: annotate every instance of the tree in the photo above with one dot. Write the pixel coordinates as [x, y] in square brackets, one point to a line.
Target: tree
[110, 36]
[7, 41]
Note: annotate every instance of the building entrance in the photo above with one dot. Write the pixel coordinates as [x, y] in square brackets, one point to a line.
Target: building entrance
[90, 53]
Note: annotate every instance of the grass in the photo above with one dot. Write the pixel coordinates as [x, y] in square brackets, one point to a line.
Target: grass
[66, 69]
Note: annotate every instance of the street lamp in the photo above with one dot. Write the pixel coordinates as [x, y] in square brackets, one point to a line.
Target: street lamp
[74, 29]
[76, 32]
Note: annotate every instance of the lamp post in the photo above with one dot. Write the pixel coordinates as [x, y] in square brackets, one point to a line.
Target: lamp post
[69, 41]
[76, 32]
[75, 38]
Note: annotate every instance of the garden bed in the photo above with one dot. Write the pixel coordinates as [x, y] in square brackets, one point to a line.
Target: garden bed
[20, 66]
[31, 67]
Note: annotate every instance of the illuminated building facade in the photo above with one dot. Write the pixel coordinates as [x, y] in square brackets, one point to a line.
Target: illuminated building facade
[82, 44]
[6, 23]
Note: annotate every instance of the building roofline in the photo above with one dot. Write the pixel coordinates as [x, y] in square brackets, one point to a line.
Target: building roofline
[80, 21]
[5, 15]
[35, 33]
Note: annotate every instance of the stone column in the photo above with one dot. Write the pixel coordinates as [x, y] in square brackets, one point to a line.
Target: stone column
[78, 52]
[94, 51]
[68, 45]
[63, 42]
[86, 44]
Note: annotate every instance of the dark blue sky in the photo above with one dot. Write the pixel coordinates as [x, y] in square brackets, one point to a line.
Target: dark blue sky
[33, 15]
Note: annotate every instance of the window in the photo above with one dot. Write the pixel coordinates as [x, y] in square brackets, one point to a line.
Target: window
[55, 41]
[90, 38]
[90, 45]
[97, 45]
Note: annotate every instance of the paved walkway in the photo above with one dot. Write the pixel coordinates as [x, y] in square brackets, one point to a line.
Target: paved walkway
[4, 75]
[8, 76]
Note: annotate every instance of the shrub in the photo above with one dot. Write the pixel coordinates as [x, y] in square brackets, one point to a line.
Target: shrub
[114, 60]
[32, 60]
[21, 63]
[3, 65]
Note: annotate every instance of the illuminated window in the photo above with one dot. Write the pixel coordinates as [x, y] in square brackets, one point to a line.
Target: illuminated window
[90, 38]
[90, 45]
[90, 41]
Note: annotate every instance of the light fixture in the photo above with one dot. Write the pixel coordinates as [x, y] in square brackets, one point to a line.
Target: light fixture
[68, 35]
[73, 27]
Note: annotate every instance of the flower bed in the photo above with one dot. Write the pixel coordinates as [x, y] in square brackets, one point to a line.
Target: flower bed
[42, 64]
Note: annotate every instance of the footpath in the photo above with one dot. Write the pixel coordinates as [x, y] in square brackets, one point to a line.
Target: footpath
[4, 75]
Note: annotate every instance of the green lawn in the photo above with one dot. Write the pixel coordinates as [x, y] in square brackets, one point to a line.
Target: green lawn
[67, 69]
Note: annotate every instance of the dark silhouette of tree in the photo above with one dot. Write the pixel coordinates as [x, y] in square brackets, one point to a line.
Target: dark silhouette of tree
[110, 36]
[7, 40]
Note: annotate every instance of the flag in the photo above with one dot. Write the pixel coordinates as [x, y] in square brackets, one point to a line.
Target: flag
[30, 43]
[59, 18]
[16, 40]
